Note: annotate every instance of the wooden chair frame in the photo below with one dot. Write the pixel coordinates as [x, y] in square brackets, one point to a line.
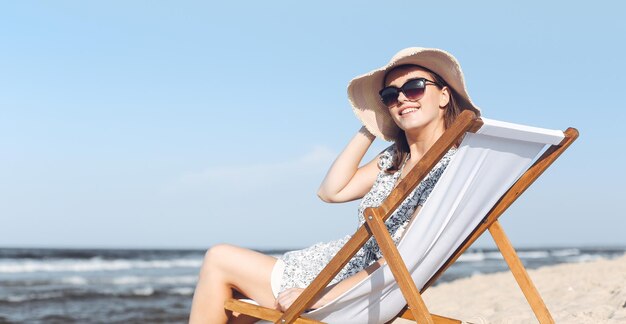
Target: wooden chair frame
[375, 225]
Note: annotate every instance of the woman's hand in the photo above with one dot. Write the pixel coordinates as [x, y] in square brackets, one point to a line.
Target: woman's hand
[288, 296]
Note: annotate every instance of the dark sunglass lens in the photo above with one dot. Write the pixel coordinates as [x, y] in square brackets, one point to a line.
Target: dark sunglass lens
[389, 96]
[414, 89]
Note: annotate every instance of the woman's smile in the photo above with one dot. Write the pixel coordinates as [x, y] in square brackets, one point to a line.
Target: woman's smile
[408, 110]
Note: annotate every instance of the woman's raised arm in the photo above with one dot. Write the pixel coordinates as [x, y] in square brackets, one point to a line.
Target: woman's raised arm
[345, 180]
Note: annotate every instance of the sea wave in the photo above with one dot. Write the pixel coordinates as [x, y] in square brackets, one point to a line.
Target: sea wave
[565, 252]
[533, 254]
[75, 280]
[137, 292]
[166, 280]
[32, 297]
[90, 281]
[143, 291]
[584, 258]
[480, 256]
[471, 257]
[184, 291]
[94, 264]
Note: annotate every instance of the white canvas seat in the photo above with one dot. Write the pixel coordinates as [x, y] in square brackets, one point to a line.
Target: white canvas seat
[486, 164]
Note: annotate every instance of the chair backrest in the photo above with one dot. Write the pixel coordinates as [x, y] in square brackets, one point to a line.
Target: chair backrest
[486, 165]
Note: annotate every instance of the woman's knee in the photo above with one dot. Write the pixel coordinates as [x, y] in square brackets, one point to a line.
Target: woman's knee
[218, 254]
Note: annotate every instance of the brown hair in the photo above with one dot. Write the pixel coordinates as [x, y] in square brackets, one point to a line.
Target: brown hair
[452, 110]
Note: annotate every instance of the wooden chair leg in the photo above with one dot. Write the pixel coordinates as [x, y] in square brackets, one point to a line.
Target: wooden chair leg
[399, 270]
[519, 272]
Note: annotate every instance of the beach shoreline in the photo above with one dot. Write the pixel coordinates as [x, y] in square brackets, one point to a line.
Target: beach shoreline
[583, 292]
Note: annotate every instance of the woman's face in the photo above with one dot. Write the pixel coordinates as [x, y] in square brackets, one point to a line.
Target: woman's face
[421, 114]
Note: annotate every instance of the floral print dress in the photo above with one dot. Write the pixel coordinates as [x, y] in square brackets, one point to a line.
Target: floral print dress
[302, 266]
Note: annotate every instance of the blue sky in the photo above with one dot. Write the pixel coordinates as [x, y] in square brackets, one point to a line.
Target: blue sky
[184, 124]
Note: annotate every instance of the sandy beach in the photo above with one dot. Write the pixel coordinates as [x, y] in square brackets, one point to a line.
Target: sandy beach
[586, 292]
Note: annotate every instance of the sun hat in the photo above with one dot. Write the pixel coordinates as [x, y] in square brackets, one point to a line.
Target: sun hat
[363, 90]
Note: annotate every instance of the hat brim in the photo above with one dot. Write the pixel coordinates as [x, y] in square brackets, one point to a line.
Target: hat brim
[363, 90]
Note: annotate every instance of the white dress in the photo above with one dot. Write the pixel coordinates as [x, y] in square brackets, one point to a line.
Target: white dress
[299, 268]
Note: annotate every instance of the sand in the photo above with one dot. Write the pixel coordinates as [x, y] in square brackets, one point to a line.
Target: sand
[586, 292]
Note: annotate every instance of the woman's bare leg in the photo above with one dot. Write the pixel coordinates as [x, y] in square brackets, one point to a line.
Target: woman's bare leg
[226, 267]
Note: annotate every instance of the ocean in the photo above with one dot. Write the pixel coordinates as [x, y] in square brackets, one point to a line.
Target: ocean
[156, 286]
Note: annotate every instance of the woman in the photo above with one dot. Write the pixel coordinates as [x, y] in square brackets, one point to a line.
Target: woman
[410, 101]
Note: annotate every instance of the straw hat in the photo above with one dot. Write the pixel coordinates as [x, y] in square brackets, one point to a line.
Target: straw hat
[363, 90]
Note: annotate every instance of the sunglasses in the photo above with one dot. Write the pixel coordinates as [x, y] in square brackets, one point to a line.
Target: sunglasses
[413, 90]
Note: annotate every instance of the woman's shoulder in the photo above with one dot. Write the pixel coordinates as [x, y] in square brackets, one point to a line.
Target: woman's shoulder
[387, 157]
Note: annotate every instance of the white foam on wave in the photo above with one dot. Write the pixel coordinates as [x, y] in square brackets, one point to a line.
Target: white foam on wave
[471, 257]
[128, 280]
[164, 280]
[145, 291]
[184, 291]
[177, 280]
[74, 280]
[494, 255]
[37, 296]
[17, 298]
[93, 264]
[565, 252]
[583, 258]
[533, 254]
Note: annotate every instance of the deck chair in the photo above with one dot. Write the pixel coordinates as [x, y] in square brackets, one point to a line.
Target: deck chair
[494, 164]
